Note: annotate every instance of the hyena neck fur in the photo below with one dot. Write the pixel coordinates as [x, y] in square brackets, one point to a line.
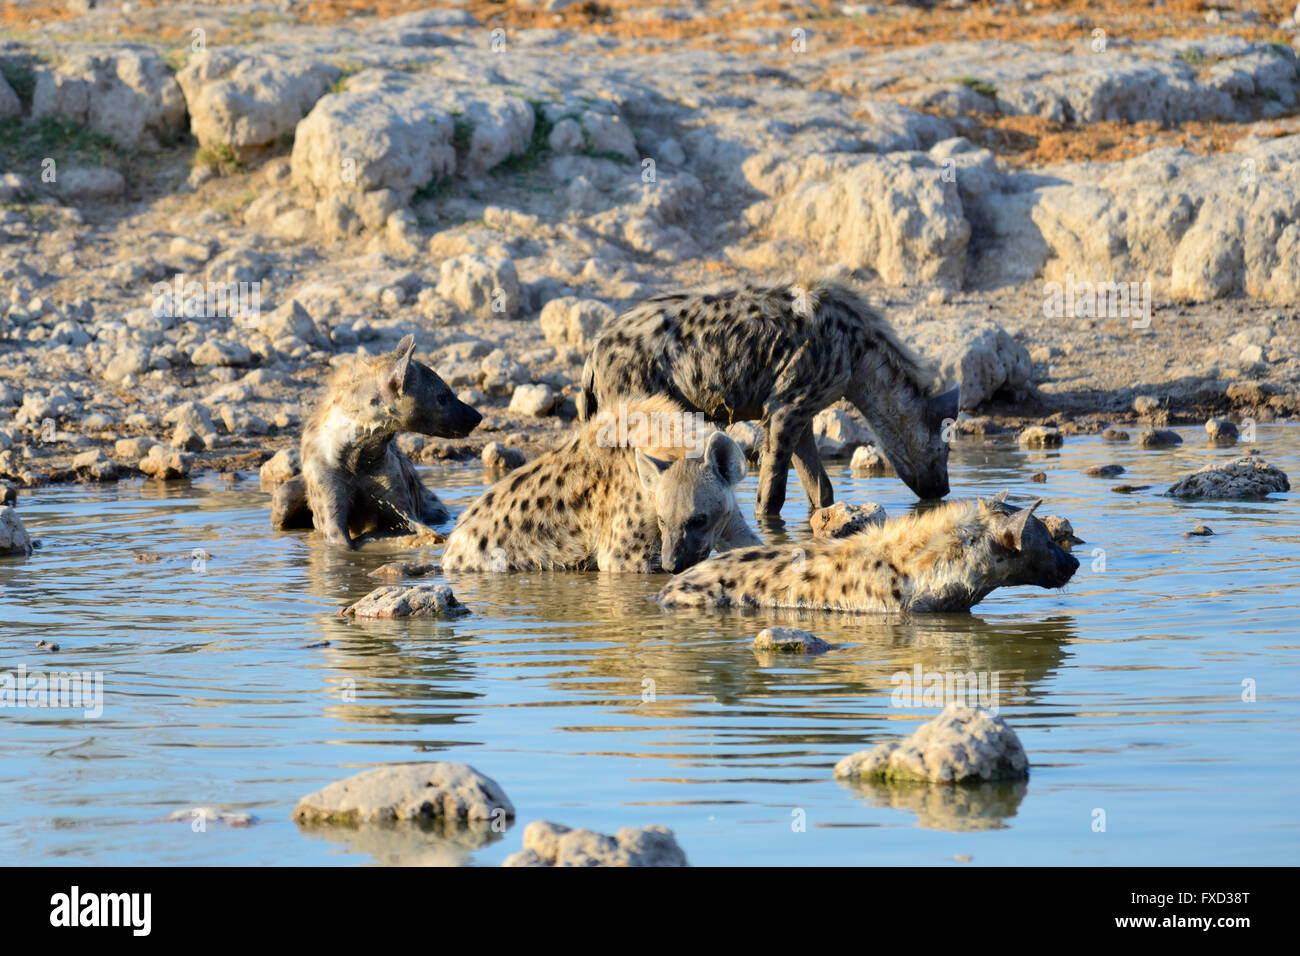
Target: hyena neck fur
[336, 439]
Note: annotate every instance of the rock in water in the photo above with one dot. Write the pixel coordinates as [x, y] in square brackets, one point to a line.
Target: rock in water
[1221, 431]
[841, 520]
[1041, 436]
[1159, 438]
[789, 640]
[13, 536]
[549, 844]
[500, 458]
[962, 744]
[408, 600]
[414, 793]
[1242, 478]
[1061, 530]
[867, 460]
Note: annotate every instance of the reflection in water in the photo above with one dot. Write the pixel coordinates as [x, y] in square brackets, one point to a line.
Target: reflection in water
[955, 807]
[441, 843]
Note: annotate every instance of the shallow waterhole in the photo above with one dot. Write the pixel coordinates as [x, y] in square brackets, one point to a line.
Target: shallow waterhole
[593, 707]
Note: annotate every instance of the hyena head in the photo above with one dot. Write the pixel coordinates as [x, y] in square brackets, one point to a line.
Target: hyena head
[921, 459]
[410, 397]
[695, 499]
[1023, 550]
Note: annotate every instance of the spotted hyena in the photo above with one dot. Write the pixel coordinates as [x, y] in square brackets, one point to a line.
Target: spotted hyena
[354, 479]
[779, 354]
[947, 559]
[611, 499]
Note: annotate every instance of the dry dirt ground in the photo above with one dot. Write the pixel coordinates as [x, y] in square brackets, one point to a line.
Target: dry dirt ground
[756, 114]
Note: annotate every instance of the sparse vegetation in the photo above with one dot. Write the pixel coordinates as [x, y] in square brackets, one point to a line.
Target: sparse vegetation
[223, 159]
[25, 144]
[538, 146]
[983, 87]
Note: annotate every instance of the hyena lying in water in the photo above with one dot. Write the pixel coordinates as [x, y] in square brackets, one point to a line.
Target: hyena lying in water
[779, 354]
[604, 500]
[948, 559]
[354, 479]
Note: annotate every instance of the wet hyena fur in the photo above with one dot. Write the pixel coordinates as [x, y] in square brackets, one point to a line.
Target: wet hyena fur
[947, 559]
[610, 502]
[354, 479]
[779, 354]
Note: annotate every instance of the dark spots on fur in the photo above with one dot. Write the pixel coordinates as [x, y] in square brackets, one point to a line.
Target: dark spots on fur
[522, 506]
[483, 543]
[844, 589]
[544, 503]
[898, 595]
[749, 556]
[526, 526]
[879, 564]
[489, 498]
[516, 482]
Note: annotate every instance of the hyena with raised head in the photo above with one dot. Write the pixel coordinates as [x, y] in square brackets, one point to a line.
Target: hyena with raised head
[947, 559]
[779, 354]
[354, 479]
[611, 502]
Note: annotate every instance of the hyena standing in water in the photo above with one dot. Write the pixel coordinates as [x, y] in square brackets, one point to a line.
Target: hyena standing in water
[354, 479]
[780, 355]
[947, 559]
[611, 498]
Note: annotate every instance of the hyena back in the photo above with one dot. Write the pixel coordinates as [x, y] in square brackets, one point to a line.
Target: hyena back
[779, 354]
[354, 479]
[948, 559]
[599, 503]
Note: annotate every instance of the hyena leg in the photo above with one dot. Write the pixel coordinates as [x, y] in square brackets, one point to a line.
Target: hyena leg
[780, 436]
[812, 473]
[330, 507]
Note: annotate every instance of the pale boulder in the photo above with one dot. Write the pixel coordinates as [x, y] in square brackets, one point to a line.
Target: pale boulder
[962, 744]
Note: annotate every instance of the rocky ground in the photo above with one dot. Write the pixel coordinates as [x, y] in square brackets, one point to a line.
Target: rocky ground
[499, 178]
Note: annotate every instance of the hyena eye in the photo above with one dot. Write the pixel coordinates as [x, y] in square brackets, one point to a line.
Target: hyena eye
[697, 522]
[442, 399]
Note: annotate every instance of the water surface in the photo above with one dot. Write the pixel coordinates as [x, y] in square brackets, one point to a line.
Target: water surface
[230, 681]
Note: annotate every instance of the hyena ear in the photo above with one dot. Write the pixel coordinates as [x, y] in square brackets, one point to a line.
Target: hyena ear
[1014, 534]
[650, 469]
[399, 364]
[726, 457]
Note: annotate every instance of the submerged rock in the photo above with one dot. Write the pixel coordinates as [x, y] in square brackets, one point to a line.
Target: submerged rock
[403, 569]
[1041, 436]
[1105, 471]
[1200, 531]
[14, 539]
[1114, 434]
[1221, 431]
[1159, 438]
[408, 600]
[1061, 530]
[412, 793]
[549, 844]
[499, 458]
[789, 640]
[1242, 478]
[230, 818]
[841, 519]
[961, 744]
[867, 460]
